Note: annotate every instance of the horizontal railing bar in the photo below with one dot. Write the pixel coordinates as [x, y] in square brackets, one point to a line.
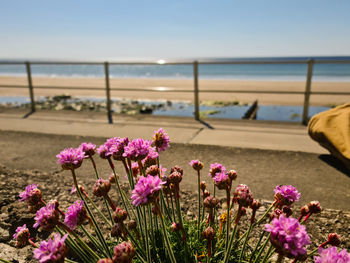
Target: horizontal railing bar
[185, 62]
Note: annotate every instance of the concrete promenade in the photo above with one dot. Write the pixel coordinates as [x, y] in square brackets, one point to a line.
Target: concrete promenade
[233, 133]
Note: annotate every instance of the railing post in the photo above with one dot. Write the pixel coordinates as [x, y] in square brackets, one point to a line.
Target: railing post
[196, 98]
[307, 91]
[30, 86]
[108, 94]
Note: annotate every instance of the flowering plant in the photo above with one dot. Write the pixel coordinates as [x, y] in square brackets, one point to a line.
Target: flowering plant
[149, 225]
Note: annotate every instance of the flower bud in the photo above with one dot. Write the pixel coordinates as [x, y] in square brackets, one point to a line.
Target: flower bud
[208, 233]
[287, 210]
[197, 165]
[255, 205]
[203, 185]
[242, 195]
[124, 252]
[276, 214]
[119, 215]
[210, 202]
[232, 174]
[175, 227]
[304, 210]
[314, 207]
[101, 187]
[152, 170]
[178, 169]
[21, 236]
[116, 231]
[175, 177]
[333, 239]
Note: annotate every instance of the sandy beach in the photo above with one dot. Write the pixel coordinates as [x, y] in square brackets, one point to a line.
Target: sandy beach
[183, 85]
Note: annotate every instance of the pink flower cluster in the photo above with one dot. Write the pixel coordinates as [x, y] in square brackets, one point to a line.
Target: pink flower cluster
[161, 140]
[196, 165]
[47, 217]
[53, 250]
[216, 168]
[75, 215]
[330, 255]
[137, 149]
[242, 195]
[288, 236]
[29, 193]
[287, 194]
[21, 236]
[145, 189]
[88, 149]
[70, 158]
[124, 252]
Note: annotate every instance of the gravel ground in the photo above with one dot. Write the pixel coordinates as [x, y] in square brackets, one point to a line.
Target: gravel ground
[57, 184]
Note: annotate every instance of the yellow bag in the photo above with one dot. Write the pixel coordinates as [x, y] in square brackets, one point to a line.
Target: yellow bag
[331, 129]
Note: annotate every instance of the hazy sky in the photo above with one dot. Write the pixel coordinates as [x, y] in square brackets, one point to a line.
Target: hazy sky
[82, 29]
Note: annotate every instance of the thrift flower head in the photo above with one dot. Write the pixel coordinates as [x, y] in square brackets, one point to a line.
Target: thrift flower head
[70, 158]
[151, 158]
[119, 215]
[242, 195]
[161, 140]
[196, 165]
[116, 147]
[53, 251]
[32, 195]
[331, 255]
[286, 195]
[288, 236]
[88, 148]
[222, 181]
[103, 152]
[146, 189]
[124, 252]
[76, 214]
[21, 236]
[137, 149]
[47, 217]
[216, 168]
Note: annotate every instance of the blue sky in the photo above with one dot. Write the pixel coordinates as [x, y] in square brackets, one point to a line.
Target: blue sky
[76, 29]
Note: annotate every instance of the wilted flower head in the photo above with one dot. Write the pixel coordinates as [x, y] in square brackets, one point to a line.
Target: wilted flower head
[70, 158]
[203, 185]
[151, 158]
[119, 215]
[288, 236]
[21, 236]
[314, 207]
[88, 148]
[76, 214]
[124, 252]
[161, 140]
[242, 195]
[146, 189]
[208, 233]
[210, 202]
[232, 174]
[286, 195]
[216, 168]
[178, 169]
[53, 250]
[101, 187]
[32, 195]
[197, 165]
[330, 255]
[47, 217]
[152, 170]
[175, 178]
[137, 149]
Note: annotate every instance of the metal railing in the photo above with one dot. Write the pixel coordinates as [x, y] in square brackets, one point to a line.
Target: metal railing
[310, 63]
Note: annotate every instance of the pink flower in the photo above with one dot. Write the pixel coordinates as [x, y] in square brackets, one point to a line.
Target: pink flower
[151, 158]
[137, 149]
[216, 168]
[103, 152]
[88, 149]
[21, 236]
[161, 140]
[286, 195]
[222, 181]
[331, 255]
[31, 194]
[47, 217]
[145, 189]
[53, 250]
[242, 195]
[70, 158]
[288, 236]
[76, 214]
[116, 147]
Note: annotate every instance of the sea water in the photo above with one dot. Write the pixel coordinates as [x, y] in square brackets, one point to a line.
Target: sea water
[284, 72]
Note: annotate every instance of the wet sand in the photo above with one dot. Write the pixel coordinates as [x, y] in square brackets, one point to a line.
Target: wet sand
[181, 89]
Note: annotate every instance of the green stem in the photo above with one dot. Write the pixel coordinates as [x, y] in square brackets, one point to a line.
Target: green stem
[245, 243]
[312, 252]
[146, 237]
[256, 246]
[199, 205]
[228, 217]
[268, 253]
[85, 246]
[99, 211]
[93, 240]
[5, 261]
[165, 234]
[261, 250]
[97, 228]
[229, 248]
[69, 261]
